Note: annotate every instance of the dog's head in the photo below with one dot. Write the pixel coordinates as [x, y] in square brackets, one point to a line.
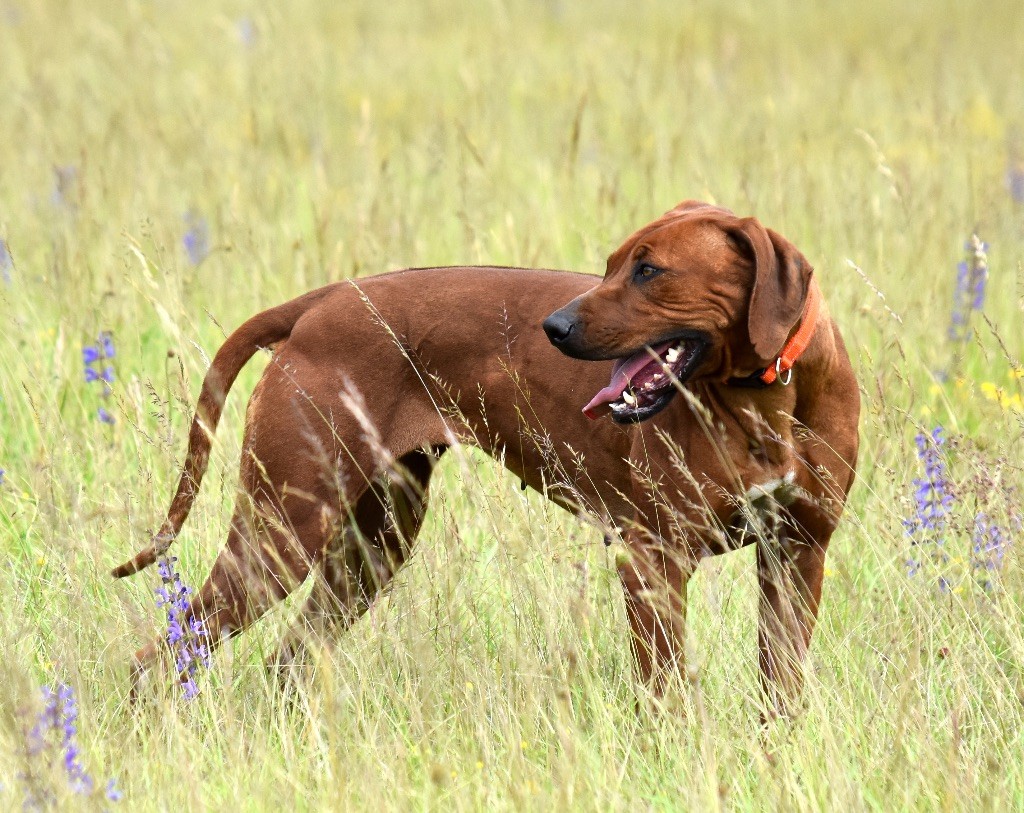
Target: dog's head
[697, 293]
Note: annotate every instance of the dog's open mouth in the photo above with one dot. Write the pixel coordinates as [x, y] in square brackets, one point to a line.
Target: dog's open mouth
[644, 383]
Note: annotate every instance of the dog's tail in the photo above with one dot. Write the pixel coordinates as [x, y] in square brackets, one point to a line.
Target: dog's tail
[260, 331]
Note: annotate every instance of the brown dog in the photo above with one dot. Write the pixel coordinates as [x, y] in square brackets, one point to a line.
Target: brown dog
[732, 418]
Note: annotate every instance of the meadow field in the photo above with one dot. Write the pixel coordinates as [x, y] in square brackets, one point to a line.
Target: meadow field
[169, 168]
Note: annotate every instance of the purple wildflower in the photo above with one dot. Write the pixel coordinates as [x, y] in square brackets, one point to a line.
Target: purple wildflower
[111, 791]
[2, 473]
[56, 726]
[1015, 180]
[65, 179]
[989, 547]
[196, 239]
[185, 632]
[6, 262]
[933, 500]
[247, 31]
[977, 252]
[969, 294]
[80, 780]
[94, 354]
[106, 340]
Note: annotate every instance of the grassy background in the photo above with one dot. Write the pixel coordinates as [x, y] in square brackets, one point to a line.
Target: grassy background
[324, 140]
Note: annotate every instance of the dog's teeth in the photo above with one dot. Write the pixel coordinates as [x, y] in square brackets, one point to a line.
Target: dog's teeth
[672, 355]
[629, 398]
[657, 377]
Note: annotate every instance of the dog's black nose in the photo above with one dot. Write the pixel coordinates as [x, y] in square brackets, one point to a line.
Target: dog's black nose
[559, 326]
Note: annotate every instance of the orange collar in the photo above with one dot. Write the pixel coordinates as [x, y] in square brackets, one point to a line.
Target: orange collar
[794, 347]
[798, 342]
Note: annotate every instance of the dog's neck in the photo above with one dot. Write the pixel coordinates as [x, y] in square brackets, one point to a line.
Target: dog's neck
[765, 412]
[780, 370]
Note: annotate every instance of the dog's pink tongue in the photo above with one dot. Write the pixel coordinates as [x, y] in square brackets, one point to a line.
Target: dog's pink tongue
[622, 373]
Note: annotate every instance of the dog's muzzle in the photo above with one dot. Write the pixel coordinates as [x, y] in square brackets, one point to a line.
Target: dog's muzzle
[563, 329]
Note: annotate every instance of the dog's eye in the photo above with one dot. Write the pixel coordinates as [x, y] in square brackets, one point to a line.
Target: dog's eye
[646, 272]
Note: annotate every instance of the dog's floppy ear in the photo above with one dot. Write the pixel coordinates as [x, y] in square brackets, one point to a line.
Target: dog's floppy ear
[782, 277]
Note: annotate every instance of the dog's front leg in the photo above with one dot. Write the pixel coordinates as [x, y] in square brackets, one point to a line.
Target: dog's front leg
[790, 568]
[654, 579]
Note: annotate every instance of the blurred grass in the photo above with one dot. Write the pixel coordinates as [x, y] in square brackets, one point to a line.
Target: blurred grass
[320, 141]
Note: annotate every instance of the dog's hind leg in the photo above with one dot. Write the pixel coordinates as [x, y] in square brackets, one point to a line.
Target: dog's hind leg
[361, 560]
[278, 533]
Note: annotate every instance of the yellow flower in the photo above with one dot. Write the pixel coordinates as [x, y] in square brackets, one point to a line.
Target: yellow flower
[998, 394]
[983, 120]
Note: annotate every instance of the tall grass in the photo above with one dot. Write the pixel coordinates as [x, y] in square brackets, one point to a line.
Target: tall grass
[319, 141]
